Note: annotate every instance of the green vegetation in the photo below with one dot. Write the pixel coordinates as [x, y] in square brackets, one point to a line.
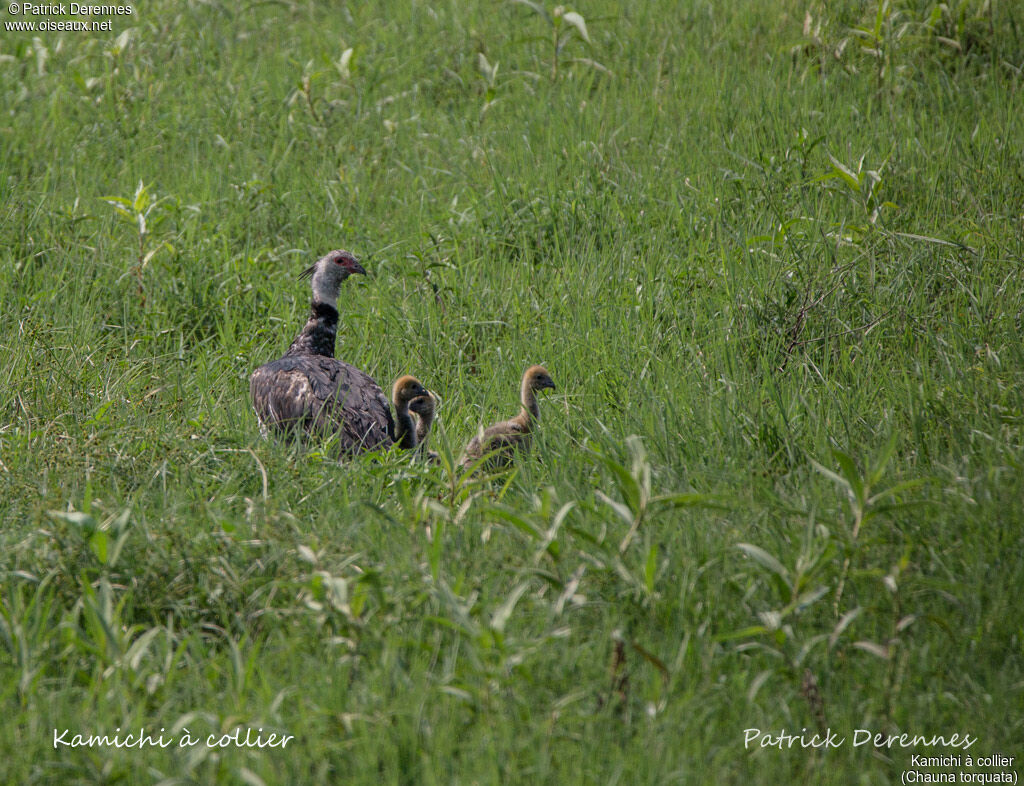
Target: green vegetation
[771, 254]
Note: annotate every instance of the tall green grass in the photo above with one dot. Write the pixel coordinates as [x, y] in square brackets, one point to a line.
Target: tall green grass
[771, 255]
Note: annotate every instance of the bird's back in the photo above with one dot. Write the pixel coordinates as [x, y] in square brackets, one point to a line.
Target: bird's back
[320, 395]
[502, 439]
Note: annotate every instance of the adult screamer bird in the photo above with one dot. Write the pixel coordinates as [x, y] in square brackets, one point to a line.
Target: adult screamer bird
[309, 391]
[504, 438]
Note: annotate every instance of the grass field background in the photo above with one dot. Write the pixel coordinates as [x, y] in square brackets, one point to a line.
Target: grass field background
[770, 253]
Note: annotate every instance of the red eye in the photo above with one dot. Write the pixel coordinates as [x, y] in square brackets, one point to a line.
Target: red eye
[339, 260]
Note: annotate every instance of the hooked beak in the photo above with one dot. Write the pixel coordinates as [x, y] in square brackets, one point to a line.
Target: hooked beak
[355, 267]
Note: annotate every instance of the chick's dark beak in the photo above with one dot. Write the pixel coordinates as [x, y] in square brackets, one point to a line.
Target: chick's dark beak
[355, 267]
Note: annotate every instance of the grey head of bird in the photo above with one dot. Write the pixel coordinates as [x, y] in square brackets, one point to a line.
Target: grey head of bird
[328, 273]
[405, 389]
[538, 378]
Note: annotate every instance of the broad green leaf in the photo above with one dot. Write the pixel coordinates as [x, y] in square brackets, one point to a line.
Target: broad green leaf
[250, 778]
[808, 598]
[845, 173]
[882, 459]
[141, 199]
[120, 523]
[765, 559]
[780, 576]
[757, 682]
[853, 478]
[140, 647]
[654, 660]
[629, 488]
[517, 521]
[832, 475]
[577, 21]
[905, 485]
[651, 567]
[98, 544]
[875, 649]
[687, 500]
[808, 645]
[482, 64]
[593, 64]
[344, 64]
[772, 619]
[561, 515]
[742, 633]
[623, 512]
[504, 611]
[83, 521]
[99, 613]
[843, 624]
[535, 7]
[118, 202]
